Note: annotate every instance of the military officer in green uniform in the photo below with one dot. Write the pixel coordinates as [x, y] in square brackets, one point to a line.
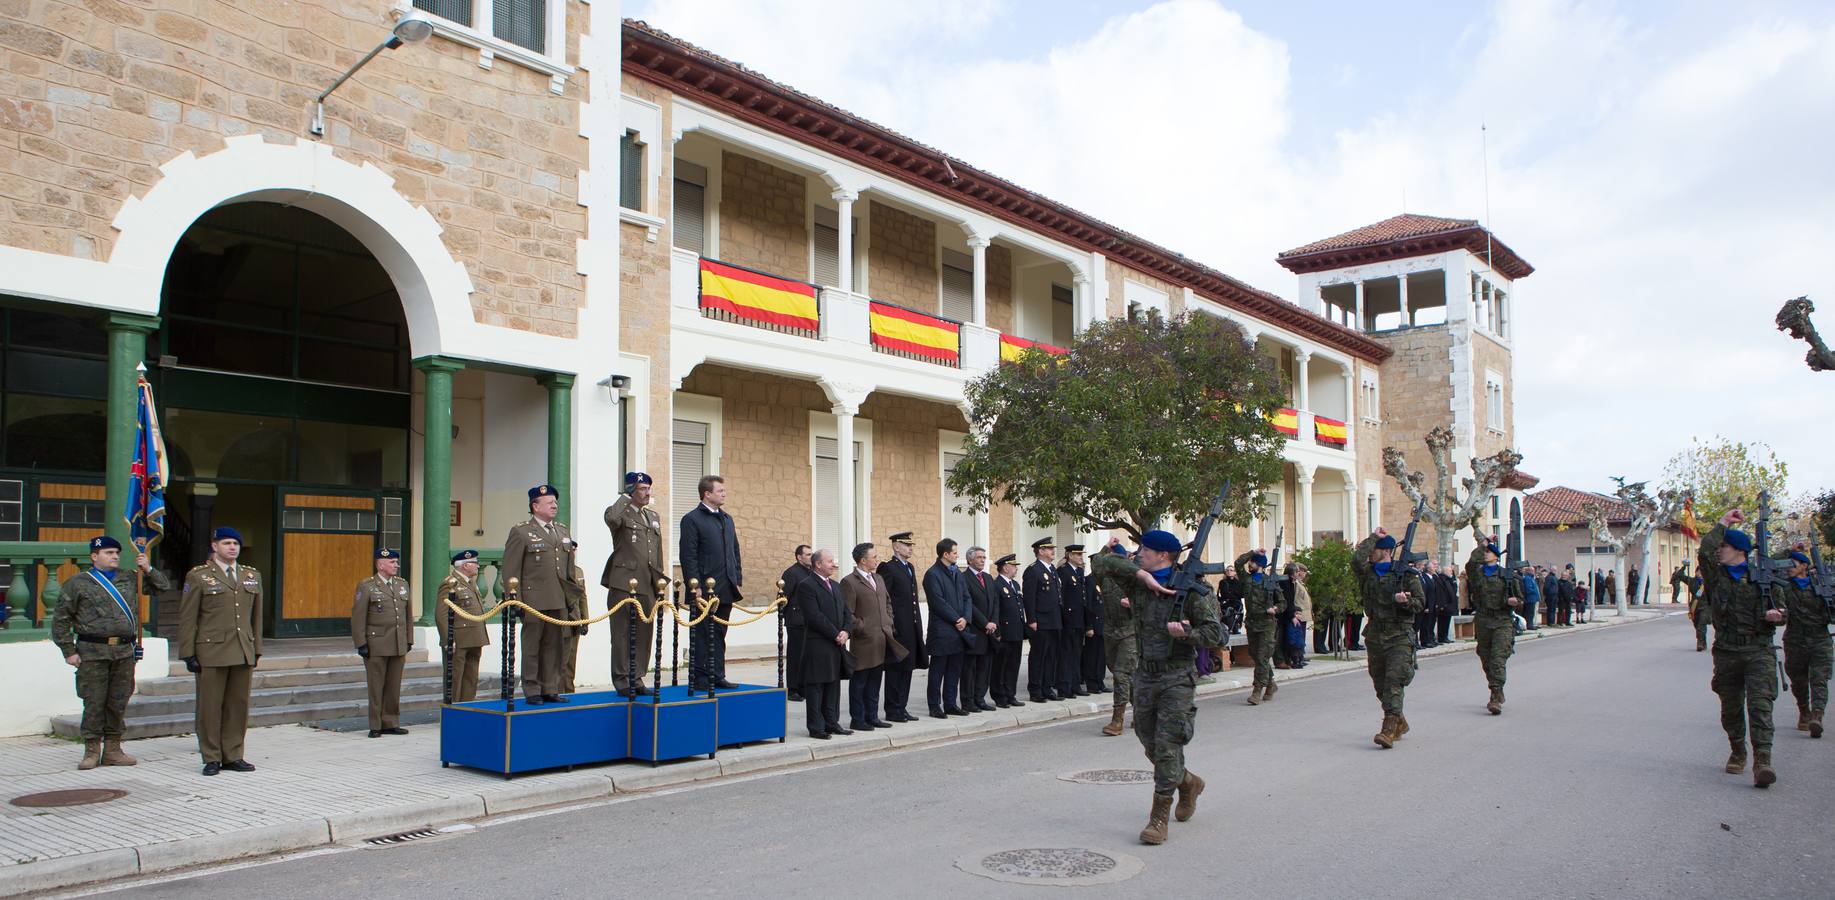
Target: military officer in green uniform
[468, 638]
[574, 590]
[1495, 596]
[219, 638]
[1392, 595]
[1117, 633]
[383, 630]
[1166, 677]
[97, 629]
[1807, 647]
[1745, 663]
[633, 570]
[1261, 620]
[539, 555]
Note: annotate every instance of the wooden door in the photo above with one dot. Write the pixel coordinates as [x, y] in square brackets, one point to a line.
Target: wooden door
[327, 545]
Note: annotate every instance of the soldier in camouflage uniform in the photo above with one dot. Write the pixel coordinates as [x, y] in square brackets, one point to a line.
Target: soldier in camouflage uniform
[1261, 619]
[98, 635]
[1495, 595]
[1166, 677]
[1392, 595]
[1807, 647]
[1745, 664]
[1117, 633]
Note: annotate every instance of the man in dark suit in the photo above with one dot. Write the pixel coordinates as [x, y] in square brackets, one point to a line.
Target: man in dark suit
[1551, 595]
[1073, 598]
[907, 627]
[710, 549]
[984, 602]
[1449, 606]
[947, 637]
[792, 622]
[869, 638]
[1010, 633]
[1424, 620]
[1044, 619]
[826, 618]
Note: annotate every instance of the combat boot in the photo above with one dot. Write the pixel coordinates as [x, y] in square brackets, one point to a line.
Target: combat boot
[1113, 729]
[112, 754]
[1803, 719]
[1736, 761]
[1816, 723]
[1496, 706]
[1255, 695]
[1155, 832]
[1268, 692]
[92, 755]
[1763, 775]
[1189, 789]
[1401, 725]
[1386, 737]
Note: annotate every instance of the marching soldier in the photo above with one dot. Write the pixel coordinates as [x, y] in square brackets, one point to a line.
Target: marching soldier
[539, 555]
[219, 638]
[1073, 629]
[1495, 595]
[1698, 612]
[96, 628]
[1392, 594]
[1807, 647]
[384, 634]
[1044, 619]
[1262, 621]
[1117, 636]
[637, 558]
[1745, 665]
[468, 638]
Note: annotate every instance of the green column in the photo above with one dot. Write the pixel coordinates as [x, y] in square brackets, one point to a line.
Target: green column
[127, 349]
[560, 439]
[436, 476]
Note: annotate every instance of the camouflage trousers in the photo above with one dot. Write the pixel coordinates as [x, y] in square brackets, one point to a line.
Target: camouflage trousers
[1261, 648]
[104, 685]
[1808, 663]
[1701, 627]
[1124, 657]
[1165, 717]
[1496, 641]
[1747, 682]
[1391, 661]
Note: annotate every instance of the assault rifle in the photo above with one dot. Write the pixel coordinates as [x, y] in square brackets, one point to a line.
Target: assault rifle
[1407, 557]
[1513, 552]
[1766, 571]
[1189, 574]
[1272, 577]
[1822, 579]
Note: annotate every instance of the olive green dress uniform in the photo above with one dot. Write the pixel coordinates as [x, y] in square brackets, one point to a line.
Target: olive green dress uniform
[1494, 621]
[1745, 662]
[541, 559]
[380, 621]
[637, 555]
[468, 638]
[1388, 633]
[1262, 628]
[575, 592]
[89, 624]
[219, 624]
[1808, 652]
[1117, 636]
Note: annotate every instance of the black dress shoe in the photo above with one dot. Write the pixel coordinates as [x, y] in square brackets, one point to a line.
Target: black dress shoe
[1083, 692]
[906, 717]
[238, 766]
[820, 736]
[936, 713]
[375, 734]
[1001, 704]
[553, 698]
[533, 701]
[724, 685]
[862, 726]
[1017, 702]
[880, 723]
[955, 711]
[396, 730]
[640, 691]
[794, 697]
[839, 730]
[211, 768]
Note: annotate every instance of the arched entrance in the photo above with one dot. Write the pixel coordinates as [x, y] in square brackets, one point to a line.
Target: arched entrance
[281, 364]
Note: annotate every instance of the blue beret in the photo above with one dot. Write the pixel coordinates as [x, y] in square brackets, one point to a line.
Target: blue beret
[103, 542]
[632, 479]
[464, 555]
[1386, 542]
[386, 553]
[541, 490]
[1739, 540]
[1800, 556]
[1260, 559]
[226, 533]
[1163, 541]
[1494, 550]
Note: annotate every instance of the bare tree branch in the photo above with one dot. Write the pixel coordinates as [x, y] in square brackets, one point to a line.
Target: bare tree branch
[1794, 317]
[1447, 510]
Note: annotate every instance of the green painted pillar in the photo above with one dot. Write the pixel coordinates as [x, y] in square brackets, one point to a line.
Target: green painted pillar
[436, 477]
[560, 439]
[127, 349]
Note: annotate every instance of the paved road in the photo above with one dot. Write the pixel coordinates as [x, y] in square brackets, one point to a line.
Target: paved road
[1602, 779]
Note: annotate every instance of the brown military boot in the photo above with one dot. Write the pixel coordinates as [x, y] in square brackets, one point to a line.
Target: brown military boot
[1155, 832]
[1386, 737]
[92, 755]
[1189, 789]
[1496, 706]
[1255, 695]
[1268, 692]
[1816, 723]
[1803, 719]
[1736, 761]
[112, 754]
[1401, 725]
[1763, 775]
[1114, 727]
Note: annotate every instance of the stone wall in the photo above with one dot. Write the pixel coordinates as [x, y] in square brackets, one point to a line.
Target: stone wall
[761, 217]
[907, 471]
[643, 303]
[902, 259]
[1416, 395]
[1370, 442]
[95, 96]
[764, 457]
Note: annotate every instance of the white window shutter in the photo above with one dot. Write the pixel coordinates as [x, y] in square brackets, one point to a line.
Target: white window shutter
[958, 287]
[690, 217]
[687, 463]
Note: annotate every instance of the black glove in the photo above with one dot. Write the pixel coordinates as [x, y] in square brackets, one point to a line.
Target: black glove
[191, 665]
[364, 651]
[581, 631]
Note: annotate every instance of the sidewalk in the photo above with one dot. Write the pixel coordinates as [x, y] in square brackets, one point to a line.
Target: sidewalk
[304, 793]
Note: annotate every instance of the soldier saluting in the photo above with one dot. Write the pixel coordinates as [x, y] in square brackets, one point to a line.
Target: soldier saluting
[539, 555]
[97, 629]
[637, 556]
[380, 627]
[219, 638]
[469, 638]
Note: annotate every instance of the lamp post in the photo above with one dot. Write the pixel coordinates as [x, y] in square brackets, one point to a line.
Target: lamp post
[410, 30]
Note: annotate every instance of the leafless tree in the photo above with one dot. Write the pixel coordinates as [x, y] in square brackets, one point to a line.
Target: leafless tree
[1647, 515]
[1446, 509]
[1795, 318]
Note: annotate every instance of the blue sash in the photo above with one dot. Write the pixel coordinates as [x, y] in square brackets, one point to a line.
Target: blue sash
[109, 586]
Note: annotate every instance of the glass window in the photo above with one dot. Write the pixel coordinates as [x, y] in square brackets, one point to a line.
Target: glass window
[57, 433]
[521, 22]
[65, 334]
[214, 445]
[353, 455]
[630, 172]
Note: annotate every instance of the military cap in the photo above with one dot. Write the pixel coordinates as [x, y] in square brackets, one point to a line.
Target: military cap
[1044, 543]
[103, 542]
[225, 533]
[1073, 548]
[1739, 540]
[541, 490]
[1494, 549]
[1163, 541]
[1007, 560]
[464, 556]
[1386, 542]
[1800, 556]
[386, 553]
[1260, 559]
[903, 537]
[633, 479]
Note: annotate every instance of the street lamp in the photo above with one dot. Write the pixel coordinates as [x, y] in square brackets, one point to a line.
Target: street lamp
[410, 30]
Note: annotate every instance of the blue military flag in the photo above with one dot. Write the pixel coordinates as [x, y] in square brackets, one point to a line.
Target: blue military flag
[146, 494]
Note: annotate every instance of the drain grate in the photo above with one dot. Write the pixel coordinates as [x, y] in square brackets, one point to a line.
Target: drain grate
[402, 838]
[76, 797]
[1053, 866]
[1110, 776]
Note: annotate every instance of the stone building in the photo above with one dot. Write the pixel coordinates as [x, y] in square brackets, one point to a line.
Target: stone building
[1555, 521]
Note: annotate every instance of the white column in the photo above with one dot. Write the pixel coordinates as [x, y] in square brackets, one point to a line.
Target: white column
[1401, 283]
[978, 247]
[1360, 306]
[1351, 534]
[844, 437]
[844, 210]
[1304, 357]
[1080, 302]
[1350, 400]
[1303, 518]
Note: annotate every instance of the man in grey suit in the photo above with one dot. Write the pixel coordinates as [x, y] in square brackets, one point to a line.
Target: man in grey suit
[870, 638]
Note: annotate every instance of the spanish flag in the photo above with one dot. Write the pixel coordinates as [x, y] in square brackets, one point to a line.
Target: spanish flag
[1330, 431]
[1012, 348]
[1690, 525]
[757, 296]
[1286, 421]
[897, 328]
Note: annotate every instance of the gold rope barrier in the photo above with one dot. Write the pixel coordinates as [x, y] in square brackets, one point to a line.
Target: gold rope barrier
[707, 608]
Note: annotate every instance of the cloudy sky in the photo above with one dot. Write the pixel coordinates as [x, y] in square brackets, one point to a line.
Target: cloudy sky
[1664, 165]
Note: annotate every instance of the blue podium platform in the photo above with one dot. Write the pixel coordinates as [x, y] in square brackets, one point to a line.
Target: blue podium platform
[749, 712]
[673, 724]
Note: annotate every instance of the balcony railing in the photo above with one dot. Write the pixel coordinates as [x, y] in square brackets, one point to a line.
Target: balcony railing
[745, 296]
[910, 334]
[33, 587]
[1330, 432]
[1013, 348]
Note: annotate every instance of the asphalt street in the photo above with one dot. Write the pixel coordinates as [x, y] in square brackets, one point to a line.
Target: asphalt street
[1602, 779]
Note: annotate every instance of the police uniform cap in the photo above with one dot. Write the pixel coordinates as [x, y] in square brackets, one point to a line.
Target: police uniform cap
[903, 537]
[103, 542]
[1386, 542]
[1739, 540]
[386, 553]
[1073, 548]
[1162, 541]
[226, 533]
[464, 556]
[1045, 543]
[541, 490]
[1007, 560]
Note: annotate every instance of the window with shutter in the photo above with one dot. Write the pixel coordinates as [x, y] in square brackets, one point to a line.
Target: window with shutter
[1065, 534]
[687, 463]
[826, 268]
[630, 172]
[522, 22]
[690, 206]
[958, 288]
[456, 10]
[827, 533]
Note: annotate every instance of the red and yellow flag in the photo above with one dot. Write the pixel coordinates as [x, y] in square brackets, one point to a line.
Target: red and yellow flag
[757, 296]
[1012, 348]
[1286, 421]
[1690, 525]
[1331, 431]
[897, 328]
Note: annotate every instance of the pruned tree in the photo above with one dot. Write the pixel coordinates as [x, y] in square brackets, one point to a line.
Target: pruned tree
[1794, 318]
[1139, 424]
[1447, 510]
[1647, 515]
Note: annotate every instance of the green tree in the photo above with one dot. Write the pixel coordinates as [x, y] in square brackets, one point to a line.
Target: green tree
[1139, 424]
[1724, 474]
[1824, 511]
[1329, 578]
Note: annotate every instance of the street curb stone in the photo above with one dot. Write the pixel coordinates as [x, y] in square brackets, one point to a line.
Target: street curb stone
[370, 823]
[64, 871]
[215, 848]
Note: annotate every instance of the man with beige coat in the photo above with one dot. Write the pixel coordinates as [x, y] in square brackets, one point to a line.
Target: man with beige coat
[219, 638]
[637, 559]
[468, 638]
[539, 555]
[383, 630]
[869, 638]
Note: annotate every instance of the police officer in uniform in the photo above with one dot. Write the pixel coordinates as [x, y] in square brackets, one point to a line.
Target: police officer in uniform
[1044, 619]
[1392, 595]
[1073, 629]
[469, 638]
[1010, 635]
[539, 555]
[384, 634]
[907, 627]
[637, 556]
[96, 628]
[219, 638]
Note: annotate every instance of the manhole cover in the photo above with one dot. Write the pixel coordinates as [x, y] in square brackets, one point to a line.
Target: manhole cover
[77, 797]
[1110, 776]
[1053, 866]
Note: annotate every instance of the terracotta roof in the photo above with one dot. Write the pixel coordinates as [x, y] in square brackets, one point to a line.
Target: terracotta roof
[1564, 505]
[732, 89]
[1401, 237]
[1519, 480]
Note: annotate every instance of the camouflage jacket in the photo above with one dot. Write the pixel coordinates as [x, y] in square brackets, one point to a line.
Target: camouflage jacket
[1387, 618]
[1738, 610]
[1111, 588]
[85, 607]
[1490, 593]
[1153, 611]
[1256, 599]
[1807, 617]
